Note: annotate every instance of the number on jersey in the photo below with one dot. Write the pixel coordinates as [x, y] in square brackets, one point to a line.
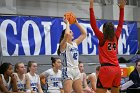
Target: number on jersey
[75, 56]
[111, 46]
[55, 84]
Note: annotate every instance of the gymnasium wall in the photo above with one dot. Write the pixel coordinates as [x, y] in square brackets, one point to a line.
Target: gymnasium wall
[57, 8]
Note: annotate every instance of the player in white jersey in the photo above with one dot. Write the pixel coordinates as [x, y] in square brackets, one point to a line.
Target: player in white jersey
[93, 78]
[23, 82]
[84, 79]
[53, 76]
[69, 50]
[34, 78]
[7, 79]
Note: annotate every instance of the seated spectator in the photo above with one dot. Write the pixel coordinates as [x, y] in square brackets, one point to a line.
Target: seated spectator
[135, 75]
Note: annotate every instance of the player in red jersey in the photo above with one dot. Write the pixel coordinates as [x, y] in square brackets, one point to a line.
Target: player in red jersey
[110, 73]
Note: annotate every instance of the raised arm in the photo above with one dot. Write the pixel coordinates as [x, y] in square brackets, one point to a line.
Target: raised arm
[83, 34]
[121, 18]
[14, 83]
[97, 32]
[66, 36]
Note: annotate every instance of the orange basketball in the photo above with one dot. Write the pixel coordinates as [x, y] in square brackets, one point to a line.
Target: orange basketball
[70, 17]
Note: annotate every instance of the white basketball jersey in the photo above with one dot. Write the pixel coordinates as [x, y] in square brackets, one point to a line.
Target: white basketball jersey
[94, 75]
[71, 55]
[6, 84]
[34, 81]
[54, 80]
[21, 84]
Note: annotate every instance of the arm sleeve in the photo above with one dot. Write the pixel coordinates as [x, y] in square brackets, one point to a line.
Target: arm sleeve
[120, 25]
[97, 32]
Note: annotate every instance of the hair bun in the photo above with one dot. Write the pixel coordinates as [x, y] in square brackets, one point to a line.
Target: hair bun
[52, 58]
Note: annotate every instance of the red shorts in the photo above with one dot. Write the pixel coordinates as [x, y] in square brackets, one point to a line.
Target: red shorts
[109, 76]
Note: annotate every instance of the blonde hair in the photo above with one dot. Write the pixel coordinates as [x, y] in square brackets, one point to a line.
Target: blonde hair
[17, 65]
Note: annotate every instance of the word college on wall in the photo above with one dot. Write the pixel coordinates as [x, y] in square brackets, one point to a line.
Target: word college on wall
[24, 35]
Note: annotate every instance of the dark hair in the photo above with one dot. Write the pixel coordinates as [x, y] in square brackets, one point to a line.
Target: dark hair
[98, 68]
[17, 65]
[29, 65]
[61, 38]
[80, 62]
[108, 30]
[4, 67]
[138, 60]
[54, 60]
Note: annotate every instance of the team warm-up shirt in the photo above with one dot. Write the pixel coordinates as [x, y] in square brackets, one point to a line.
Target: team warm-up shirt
[70, 55]
[107, 52]
[34, 81]
[54, 80]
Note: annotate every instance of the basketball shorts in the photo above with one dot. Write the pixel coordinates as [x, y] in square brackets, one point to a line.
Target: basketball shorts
[70, 73]
[109, 76]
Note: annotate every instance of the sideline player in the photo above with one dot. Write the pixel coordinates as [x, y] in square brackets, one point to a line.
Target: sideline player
[53, 76]
[34, 78]
[7, 79]
[23, 82]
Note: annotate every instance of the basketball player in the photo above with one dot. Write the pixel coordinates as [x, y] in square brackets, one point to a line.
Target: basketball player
[23, 82]
[7, 79]
[110, 73]
[93, 78]
[34, 78]
[69, 50]
[86, 89]
[54, 76]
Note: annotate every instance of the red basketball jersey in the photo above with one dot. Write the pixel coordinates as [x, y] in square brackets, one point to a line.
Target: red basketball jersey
[107, 52]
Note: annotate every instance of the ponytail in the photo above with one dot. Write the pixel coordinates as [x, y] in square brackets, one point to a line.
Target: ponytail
[61, 38]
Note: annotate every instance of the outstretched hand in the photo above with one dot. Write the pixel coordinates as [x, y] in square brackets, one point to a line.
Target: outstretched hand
[122, 3]
[91, 3]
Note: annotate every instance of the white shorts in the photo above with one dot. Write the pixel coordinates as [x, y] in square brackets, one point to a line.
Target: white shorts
[70, 73]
